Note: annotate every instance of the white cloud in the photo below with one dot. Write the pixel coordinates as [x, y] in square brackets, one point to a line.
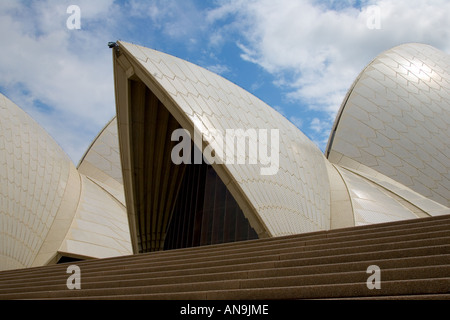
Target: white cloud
[218, 68]
[174, 18]
[298, 122]
[70, 71]
[315, 49]
[320, 130]
[318, 125]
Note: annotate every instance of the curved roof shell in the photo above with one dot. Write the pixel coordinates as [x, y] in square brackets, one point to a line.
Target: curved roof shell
[101, 162]
[36, 177]
[396, 120]
[388, 158]
[47, 208]
[295, 199]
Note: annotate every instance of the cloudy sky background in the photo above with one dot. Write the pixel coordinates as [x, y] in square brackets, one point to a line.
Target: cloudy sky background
[299, 56]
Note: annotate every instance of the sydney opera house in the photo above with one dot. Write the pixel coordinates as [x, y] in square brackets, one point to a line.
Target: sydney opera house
[387, 160]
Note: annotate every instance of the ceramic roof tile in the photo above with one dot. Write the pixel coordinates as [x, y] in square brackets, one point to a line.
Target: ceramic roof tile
[414, 127]
[231, 106]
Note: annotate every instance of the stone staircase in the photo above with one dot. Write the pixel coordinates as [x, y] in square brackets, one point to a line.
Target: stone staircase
[413, 256]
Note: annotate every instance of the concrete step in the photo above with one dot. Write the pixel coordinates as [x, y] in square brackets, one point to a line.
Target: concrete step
[428, 267]
[121, 266]
[230, 263]
[348, 290]
[321, 237]
[400, 297]
[141, 287]
[207, 274]
[63, 287]
[414, 257]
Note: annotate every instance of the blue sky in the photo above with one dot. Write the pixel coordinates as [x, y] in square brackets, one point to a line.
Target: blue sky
[299, 56]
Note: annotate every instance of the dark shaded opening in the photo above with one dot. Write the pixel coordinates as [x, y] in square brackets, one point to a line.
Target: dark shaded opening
[65, 259]
[175, 206]
[205, 212]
